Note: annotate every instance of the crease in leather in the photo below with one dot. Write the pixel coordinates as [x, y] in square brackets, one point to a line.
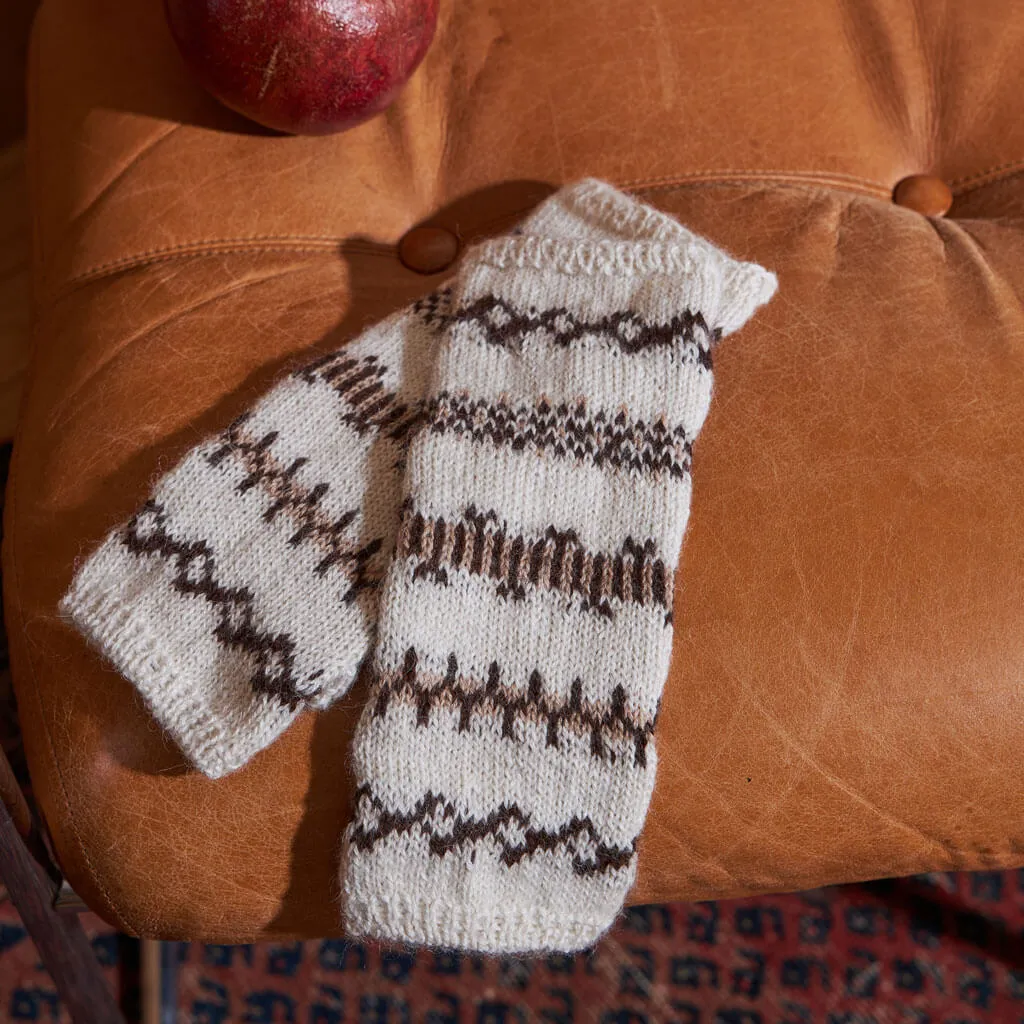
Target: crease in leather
[885, 76]
[419, 151]
[753, 827]
[843, 214]
[124, 344]
[205, 247]
[938, 64]
[477, 32]
[133, 160]
[1000, 291]
[799, 748]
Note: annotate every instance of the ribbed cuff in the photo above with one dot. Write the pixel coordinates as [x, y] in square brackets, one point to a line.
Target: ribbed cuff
[613, 234]
[213, 742]
[432, 922]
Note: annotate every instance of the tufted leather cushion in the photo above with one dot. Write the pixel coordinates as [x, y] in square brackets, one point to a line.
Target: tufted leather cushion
[845, 698]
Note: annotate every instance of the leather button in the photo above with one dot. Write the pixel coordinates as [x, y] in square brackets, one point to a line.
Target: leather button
[925, 194]
[428, 250]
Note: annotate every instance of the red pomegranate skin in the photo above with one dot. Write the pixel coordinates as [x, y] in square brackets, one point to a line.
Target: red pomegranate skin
[308, 67]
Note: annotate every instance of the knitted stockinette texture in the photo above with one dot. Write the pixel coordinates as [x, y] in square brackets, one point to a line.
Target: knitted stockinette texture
[505, 760]
[245, 588]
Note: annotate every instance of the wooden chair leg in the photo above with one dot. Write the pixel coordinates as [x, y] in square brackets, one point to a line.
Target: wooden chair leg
[150, 982]
[62, 944]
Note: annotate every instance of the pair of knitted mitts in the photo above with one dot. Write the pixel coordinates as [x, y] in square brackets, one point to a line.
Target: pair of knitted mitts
[486, 494]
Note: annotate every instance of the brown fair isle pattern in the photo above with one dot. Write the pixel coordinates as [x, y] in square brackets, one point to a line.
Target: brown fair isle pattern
[603, 722]
[435, 309]
[301, 504]
[503, 325]
[195, 569]
[296, 531]
[440, 822]
[566, 430]
[480, 545]
[369, 405]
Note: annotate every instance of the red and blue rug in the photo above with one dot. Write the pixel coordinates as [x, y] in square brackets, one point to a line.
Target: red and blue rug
[942, 949]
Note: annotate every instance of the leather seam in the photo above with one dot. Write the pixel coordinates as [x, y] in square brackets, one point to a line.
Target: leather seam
[114, 913]
[988, 177]
[210, 247]
[739, 175]
[313, 243]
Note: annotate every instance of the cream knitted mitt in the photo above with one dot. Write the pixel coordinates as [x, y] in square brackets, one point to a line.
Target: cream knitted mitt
[245, 588]
[505, 759]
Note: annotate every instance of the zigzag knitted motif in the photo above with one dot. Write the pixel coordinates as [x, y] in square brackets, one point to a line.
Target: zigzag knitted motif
[491, 697]
[301, 504]
[195, 575]
[502, 324]
[446, 830]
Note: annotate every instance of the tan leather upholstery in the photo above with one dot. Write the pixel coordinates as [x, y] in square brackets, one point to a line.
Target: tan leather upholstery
[845, 698]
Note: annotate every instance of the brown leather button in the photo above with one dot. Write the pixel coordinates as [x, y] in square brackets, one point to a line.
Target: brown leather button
[924, 194]
[428, 250]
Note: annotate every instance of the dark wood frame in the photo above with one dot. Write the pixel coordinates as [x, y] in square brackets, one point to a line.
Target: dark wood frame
[35, 886]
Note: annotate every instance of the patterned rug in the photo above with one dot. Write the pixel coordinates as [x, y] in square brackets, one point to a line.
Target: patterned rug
[936, 949]
[942, 949]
